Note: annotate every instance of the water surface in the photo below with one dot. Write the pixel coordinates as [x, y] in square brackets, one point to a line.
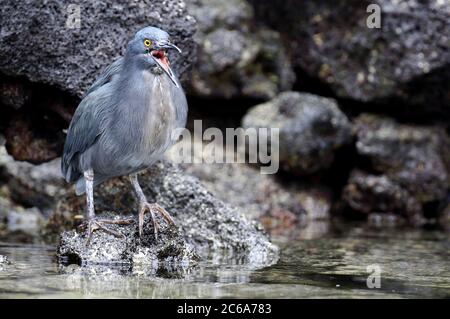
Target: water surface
[413, 264]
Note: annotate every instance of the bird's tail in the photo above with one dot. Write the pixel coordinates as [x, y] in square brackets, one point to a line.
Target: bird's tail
[80, 187]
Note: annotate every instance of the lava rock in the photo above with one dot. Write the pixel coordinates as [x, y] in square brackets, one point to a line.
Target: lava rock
[206, 223]
[444, 219]
[280, 205]
[236, 59]
[49, 45]
[410, 51]
[26, 222]
[409, 167]
[415, 157]
[104, 248]
[25, 144]
[32, 185]
[311, 129]
[18, 223]
[368, 193]
[14, 93]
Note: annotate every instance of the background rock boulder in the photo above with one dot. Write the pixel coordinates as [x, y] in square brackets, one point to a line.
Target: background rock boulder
[280, 205]
[407, 58]
[236, 59]
[311, 129]
[409, 167]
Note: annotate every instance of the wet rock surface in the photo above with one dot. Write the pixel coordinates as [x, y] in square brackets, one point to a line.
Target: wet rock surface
[104, 248]
[409, 165]
[235, 59]
[408, 57]
[206, 223]
[68, 55]
[311, 129]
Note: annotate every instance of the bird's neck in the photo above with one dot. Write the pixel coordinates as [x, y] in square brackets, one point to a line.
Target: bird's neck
[134, 85]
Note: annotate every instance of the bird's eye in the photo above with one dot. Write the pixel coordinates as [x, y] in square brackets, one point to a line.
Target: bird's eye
[147, 42]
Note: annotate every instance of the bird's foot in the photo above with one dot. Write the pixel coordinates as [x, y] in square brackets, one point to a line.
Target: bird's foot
[152, 208]
[95, 224]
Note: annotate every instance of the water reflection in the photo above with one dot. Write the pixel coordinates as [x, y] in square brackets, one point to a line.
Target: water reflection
[413, 263]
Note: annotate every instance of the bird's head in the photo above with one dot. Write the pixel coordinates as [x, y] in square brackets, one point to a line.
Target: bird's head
[150, 46]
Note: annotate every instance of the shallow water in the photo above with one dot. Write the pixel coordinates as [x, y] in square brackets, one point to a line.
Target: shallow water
[412, 263]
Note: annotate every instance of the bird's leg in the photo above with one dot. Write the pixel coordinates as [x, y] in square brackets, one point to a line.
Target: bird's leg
[92, 222]
[89, 182]
[145, 206]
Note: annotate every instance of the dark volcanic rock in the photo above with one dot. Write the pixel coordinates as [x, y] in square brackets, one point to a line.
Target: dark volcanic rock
[103, 248]
[32, 185]
[311, 129]
[415, 157]
[370, 193]
[409, 167]
[236, 59]
[410, 48]
[206, 223]
[24, 143]
[14, 93]
[281, 206]
[41, 42]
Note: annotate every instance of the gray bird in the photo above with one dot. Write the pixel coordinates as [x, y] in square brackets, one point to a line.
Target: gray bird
[125, 122]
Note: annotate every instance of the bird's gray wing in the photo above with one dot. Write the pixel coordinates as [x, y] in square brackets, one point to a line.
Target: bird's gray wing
[106, 76]
[85, 126]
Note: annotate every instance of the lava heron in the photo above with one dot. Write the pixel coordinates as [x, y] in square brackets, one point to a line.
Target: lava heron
[126, 120]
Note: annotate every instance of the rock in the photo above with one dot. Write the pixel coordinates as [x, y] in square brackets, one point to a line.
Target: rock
[46, 44]
[407, 58]
[33, 119]
[206, 223]
[387, 220]
[415, 157]
[30, 191]
[280, 205]
[368, 193]
[311, 129]
[26, 222]
[103, 248]
[4, 260]
[32, 185]
[24, 143]
[409, 167]
[17, 223]
[444, 219]
[236, 59]
[14, 93]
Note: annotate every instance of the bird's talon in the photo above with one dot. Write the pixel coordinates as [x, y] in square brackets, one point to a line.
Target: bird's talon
[153, 208]
[97, 224]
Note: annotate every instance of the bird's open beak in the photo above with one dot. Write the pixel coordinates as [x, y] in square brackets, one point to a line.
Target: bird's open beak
[160, 57]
